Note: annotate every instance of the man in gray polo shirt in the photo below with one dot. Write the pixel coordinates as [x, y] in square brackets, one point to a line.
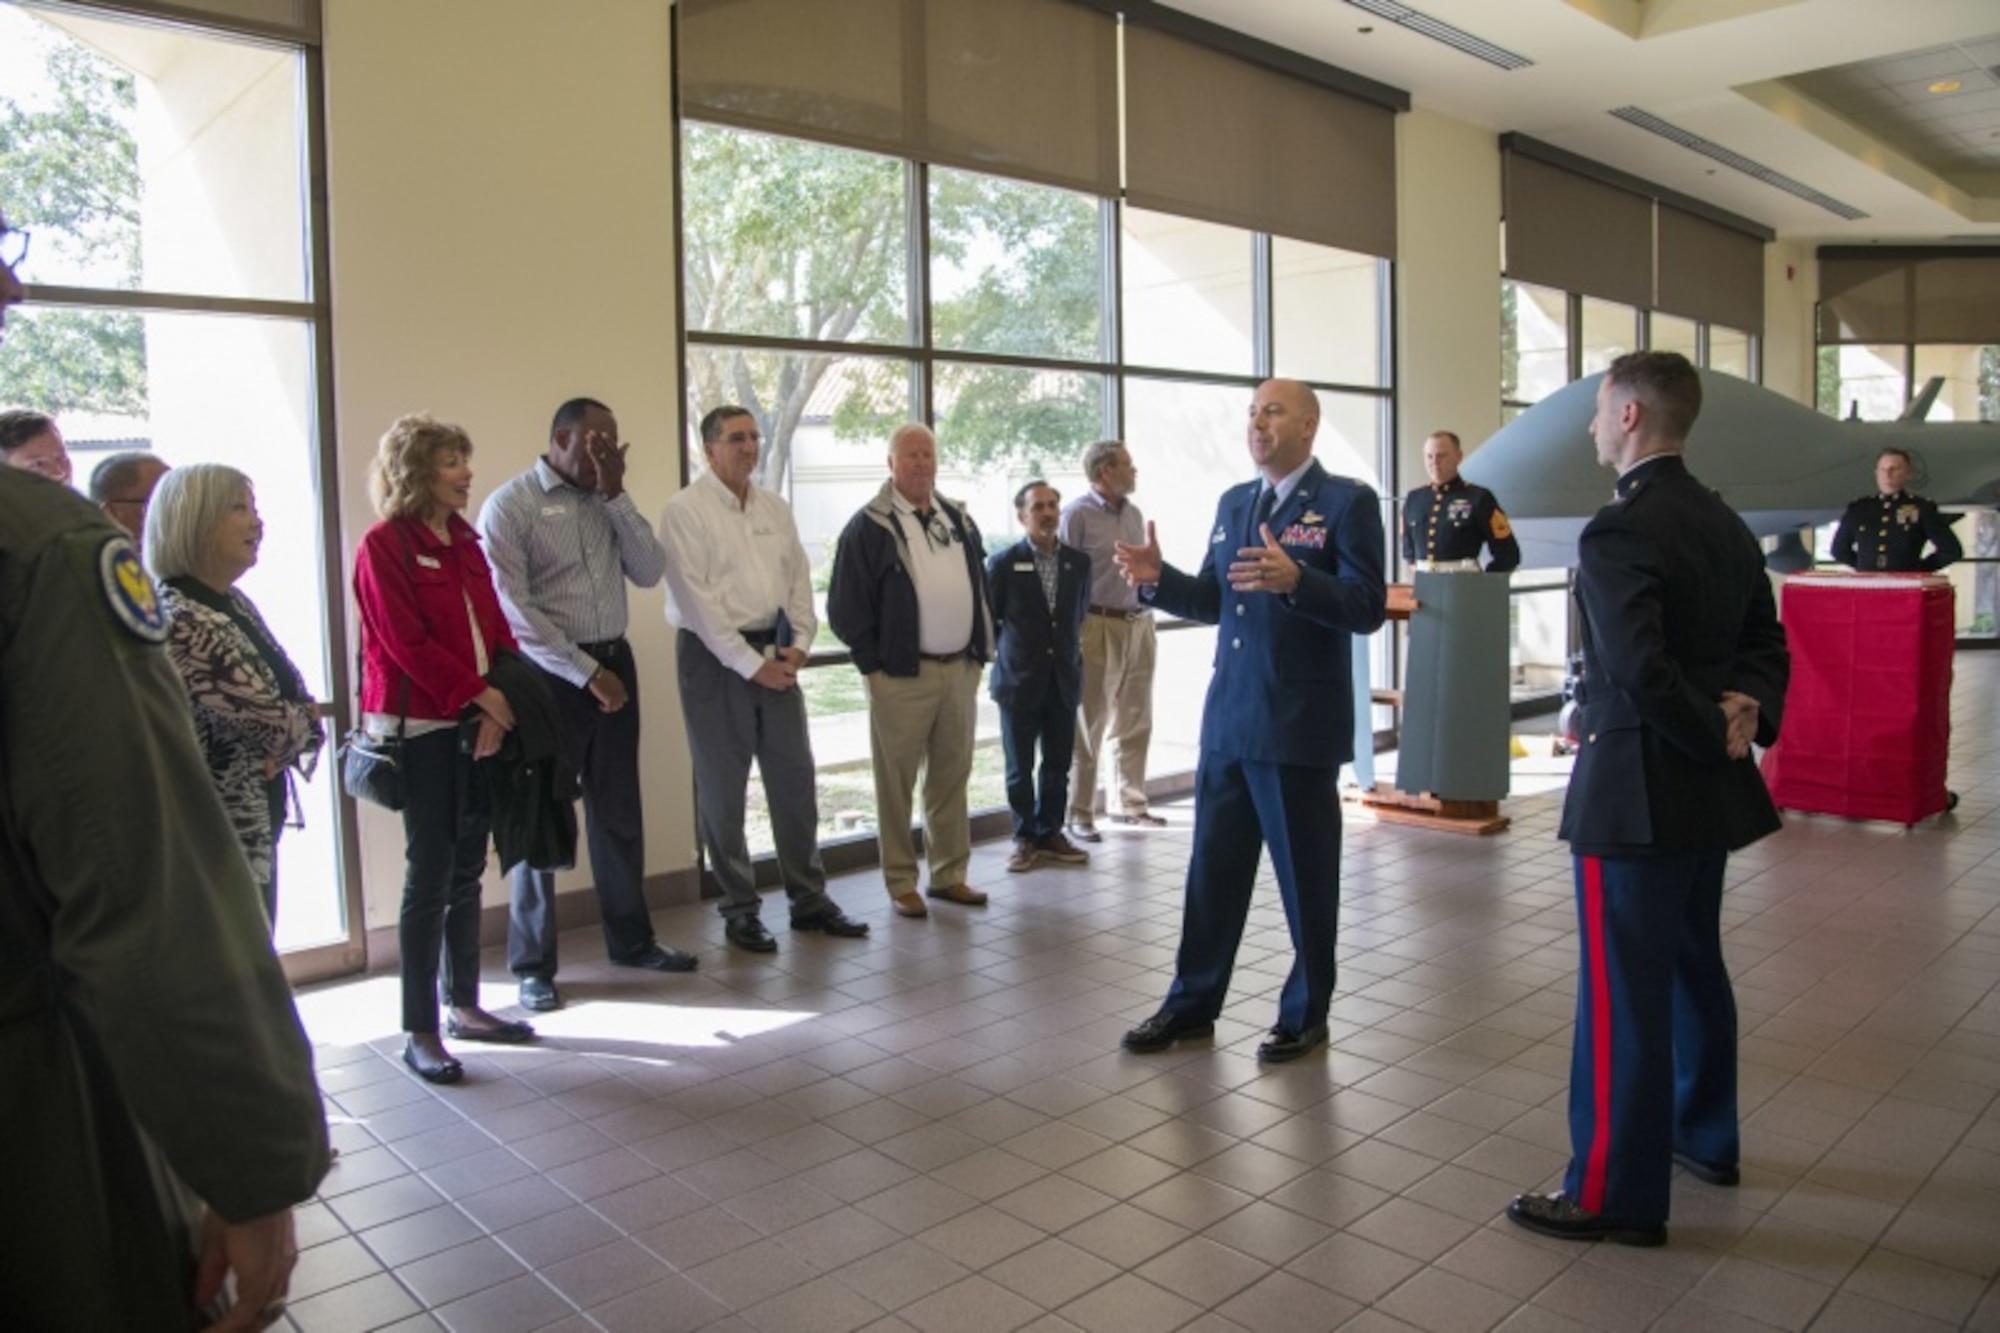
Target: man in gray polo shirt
[1118, 644]
[563, 539]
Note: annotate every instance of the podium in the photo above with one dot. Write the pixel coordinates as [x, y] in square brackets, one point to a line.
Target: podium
[1868, 714]
[1452, 765]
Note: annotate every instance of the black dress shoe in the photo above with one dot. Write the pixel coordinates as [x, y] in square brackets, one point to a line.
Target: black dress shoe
[446, 1070]
[1558, 1215]
[747, 932]
[1163, 1030]
[831, 921]
[659, 958]
[1286, 1044]
[1724, 1174]
[509, 1033]
[539, 995]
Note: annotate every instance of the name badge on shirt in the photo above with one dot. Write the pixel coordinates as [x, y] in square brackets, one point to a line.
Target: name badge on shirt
[554, 511]
[1024, 566]
[429, 562]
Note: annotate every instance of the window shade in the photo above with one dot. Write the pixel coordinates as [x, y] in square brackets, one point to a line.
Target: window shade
[1019, 88]
[1214, 136]
[1710, 272]
[1576, 234]
[1909, 296]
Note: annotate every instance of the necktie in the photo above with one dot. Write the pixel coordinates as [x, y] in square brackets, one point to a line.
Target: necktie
[1267, 505]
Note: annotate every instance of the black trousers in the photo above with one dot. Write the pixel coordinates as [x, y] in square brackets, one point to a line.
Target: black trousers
[603, 748]
[446, 822]
[1039, 803]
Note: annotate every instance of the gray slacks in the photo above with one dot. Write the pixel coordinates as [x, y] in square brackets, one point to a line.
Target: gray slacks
[731, 722]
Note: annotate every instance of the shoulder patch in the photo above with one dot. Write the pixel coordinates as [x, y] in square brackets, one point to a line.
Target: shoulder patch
[129, 590]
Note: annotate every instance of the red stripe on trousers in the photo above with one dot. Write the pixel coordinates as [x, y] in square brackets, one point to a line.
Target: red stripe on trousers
[1592, 1199]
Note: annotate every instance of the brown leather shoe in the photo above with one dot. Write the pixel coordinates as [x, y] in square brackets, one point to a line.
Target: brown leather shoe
[963, 894]
[1023, 858]
[908, 904]
[1059, 848]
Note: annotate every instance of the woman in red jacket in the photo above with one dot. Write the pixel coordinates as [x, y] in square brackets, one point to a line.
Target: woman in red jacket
[430, 625]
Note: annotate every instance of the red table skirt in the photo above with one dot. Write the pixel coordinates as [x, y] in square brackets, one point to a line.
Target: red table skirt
[1868, 715]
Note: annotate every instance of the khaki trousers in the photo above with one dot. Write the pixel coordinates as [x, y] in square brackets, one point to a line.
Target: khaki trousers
[1117, 706]
[923, 725]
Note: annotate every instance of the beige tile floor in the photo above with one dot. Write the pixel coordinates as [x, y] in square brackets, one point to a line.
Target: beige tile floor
[935, 1130]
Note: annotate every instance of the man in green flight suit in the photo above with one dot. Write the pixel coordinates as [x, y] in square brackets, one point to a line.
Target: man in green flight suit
[158, 1113]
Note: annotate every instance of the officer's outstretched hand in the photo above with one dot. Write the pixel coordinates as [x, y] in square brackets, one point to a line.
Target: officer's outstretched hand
[1141, 565]
[1264, 568]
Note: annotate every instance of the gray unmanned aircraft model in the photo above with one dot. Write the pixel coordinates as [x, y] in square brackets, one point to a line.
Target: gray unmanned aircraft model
[1779, 464]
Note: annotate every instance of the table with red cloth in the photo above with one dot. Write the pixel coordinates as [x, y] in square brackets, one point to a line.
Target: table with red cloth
[1868, 714]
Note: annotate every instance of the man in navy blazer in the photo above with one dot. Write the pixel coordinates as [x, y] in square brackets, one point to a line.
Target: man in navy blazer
[1684, 666]
[1039, 589]
[1293, 570]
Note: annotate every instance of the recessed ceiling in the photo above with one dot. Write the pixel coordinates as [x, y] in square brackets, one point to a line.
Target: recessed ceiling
[1831, 96]
[1940, 105]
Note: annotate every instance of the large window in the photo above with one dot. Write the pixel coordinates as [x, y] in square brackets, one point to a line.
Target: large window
[837, 293]
[164, 176]
[1549, 337]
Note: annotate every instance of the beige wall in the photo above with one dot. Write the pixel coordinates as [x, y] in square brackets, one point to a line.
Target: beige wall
[1447, 285]
[500, 177]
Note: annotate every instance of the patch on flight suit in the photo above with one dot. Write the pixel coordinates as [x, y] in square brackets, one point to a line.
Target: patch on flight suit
[1219, 537]
[1502, 529]
[129, 591]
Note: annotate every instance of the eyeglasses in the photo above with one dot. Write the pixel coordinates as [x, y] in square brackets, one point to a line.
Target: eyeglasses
[13, 248]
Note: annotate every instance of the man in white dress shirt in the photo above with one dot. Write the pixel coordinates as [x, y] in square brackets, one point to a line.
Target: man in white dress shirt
[740, 592]
[563, 539]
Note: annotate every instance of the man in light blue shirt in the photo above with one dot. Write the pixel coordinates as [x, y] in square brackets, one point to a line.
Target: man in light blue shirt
[563, 539]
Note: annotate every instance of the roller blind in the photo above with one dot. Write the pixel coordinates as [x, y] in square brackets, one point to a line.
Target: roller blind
[296, 19]
[1020, 88]
[1709, 272]
[1211, 135]
[1909, 296]
[1576, 234]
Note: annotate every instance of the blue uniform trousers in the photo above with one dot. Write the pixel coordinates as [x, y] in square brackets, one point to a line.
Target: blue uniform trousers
[1241, 807]
[1653, 1069]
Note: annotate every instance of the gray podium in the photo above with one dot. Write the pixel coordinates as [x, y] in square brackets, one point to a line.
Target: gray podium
[1452, 766]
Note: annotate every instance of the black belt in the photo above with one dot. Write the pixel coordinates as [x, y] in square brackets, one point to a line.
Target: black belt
[605, 650]
[1118, 613]
[958, 656]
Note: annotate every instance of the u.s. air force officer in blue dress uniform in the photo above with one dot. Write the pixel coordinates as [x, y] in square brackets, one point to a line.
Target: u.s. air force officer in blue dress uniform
[1684, 664]
[1294, 568]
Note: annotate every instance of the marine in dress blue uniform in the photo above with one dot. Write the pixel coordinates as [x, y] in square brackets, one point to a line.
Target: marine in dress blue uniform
[1891, 529]
[1294, 568]
[1684, 666]
[1447, 522]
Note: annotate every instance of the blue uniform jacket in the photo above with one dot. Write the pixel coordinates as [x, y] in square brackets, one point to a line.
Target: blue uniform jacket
[1037, 648]
[1676, 609]
[1282, 691]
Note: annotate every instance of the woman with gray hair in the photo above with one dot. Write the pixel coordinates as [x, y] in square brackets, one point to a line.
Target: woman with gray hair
[256, 723]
